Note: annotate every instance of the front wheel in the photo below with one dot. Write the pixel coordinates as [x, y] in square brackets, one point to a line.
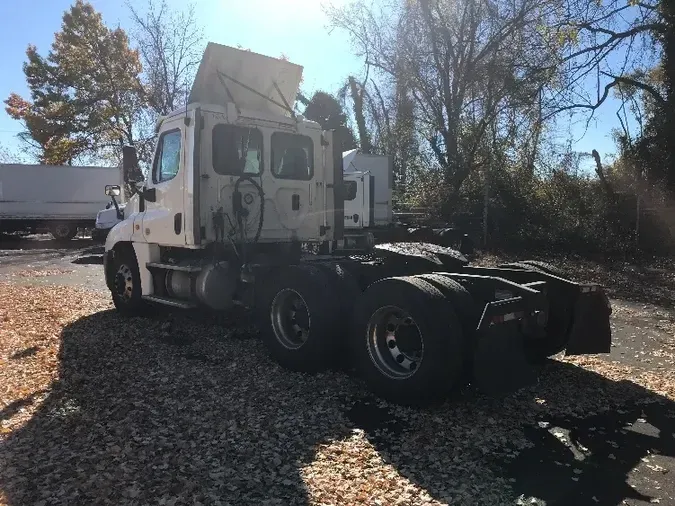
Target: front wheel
[126, 284]
[407, 341]
[63, 231]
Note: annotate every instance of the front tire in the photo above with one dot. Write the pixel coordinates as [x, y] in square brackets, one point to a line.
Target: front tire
[63, 231]
[126, 284]
[407, 341]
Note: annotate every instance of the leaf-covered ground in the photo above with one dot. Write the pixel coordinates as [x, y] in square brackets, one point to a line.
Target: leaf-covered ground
[95, 409]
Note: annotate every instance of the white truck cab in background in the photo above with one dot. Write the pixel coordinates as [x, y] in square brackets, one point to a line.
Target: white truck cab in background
[107, 218]
[369, 204]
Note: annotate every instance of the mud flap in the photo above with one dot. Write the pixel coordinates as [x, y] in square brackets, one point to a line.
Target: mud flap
[590, 332]
[499, 363]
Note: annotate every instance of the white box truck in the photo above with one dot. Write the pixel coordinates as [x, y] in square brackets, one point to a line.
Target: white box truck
[53, 198]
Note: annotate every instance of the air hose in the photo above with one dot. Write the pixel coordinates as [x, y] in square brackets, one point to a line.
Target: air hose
[239, 210]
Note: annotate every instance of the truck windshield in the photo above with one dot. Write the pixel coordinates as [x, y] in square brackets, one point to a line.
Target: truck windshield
[292, 156]
[236, 150]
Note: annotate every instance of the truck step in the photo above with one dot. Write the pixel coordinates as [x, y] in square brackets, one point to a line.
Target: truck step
[167, 301]
[174, 267]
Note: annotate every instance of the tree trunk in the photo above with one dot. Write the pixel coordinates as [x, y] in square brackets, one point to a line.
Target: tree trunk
[668, 10]
[357, 97]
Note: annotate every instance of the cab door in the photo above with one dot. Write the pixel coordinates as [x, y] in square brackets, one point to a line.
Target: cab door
[163, 220]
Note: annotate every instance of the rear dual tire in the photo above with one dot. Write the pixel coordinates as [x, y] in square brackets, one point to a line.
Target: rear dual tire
[407, 341]
[402, 334]
[63, 231]
[561, 310]
[298, 317]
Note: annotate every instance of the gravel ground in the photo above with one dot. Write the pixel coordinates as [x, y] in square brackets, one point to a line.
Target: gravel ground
[183, 409]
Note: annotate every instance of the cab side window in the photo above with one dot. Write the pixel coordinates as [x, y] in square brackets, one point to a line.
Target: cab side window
[236, 150]
[350, 190]
[292, 156]
[167, 159]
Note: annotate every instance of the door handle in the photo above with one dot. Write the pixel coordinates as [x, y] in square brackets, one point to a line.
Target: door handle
[177, 222]
[295, 202]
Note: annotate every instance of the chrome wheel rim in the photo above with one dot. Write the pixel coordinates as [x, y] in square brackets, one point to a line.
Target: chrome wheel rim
[395, 342]
[290, 319]
[124, 285]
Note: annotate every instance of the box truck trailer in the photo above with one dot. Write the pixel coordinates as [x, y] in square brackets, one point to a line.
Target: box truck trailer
[59, 199]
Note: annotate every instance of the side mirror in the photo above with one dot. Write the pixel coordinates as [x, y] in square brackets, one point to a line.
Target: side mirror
[149, 194]
[113, 190]
[129, 162]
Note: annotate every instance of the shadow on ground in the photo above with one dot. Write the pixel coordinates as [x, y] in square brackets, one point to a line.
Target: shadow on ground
[179, 409]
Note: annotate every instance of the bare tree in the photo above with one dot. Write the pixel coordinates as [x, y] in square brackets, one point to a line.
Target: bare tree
[9, 156]
[607, 45]
[469, 65]
[171, 45]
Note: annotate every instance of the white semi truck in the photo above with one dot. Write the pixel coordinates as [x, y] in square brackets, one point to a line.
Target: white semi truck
[244, 205]
[53, 198]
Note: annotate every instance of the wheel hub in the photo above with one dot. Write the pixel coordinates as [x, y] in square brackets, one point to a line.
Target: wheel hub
[61, 230]
[290, 318]
[124, 282]
[395, 342]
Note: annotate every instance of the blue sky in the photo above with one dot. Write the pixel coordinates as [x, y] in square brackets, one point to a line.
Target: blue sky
[297, 28]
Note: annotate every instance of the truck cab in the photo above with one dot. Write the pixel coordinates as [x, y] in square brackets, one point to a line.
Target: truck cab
[236, 171]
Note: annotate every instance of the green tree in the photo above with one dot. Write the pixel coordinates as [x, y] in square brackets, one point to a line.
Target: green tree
[325, 109]
[85, 95]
